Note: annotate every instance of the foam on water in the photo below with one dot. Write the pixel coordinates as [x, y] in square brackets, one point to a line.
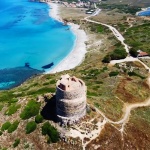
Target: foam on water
[29, 35]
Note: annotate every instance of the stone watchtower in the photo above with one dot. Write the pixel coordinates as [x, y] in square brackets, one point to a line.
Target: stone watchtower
[70, 99]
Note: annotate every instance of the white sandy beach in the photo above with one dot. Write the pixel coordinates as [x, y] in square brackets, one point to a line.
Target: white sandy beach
[76, 56]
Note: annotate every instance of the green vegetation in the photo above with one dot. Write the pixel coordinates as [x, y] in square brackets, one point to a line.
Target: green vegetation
[41, 91]
[118, 53]
[1, 133]
[135, 74]
[16, 143]
[122, 27]
[52, 82]
[48, 129]
[6, 97]
[31, 109]
[96, 105]
[9, 97]
[26, 146]
[12, 109]
[121, 8]
[98, 28]
[92, 93]
[138, 37]
[113, 73]
[5, 126]
[3, 148]
[133, 52]
[30, 127]
[106, 59]
[142, 114]
[39, 118]
[90, 73]
[10, 127]
[13, 126]
[1, 107]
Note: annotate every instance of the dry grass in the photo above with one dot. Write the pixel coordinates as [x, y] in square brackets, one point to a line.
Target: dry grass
[110, 138]
[110, 17]
[72, 13]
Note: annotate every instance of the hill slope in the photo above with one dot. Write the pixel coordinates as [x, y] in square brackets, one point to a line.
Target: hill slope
[142, 3]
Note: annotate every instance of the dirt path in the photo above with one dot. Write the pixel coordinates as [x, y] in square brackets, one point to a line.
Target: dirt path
[128, 107]
[85, 134]
[114, 30]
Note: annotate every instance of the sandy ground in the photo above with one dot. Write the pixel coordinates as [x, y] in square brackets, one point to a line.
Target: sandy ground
[76, 56]
[72, 13]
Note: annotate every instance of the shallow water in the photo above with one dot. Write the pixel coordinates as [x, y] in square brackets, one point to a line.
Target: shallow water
[29, 35]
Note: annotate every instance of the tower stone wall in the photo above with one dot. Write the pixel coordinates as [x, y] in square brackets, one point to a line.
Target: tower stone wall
[70, 99]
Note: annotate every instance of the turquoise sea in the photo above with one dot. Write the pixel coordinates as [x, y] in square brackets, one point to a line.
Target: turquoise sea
[29, 36]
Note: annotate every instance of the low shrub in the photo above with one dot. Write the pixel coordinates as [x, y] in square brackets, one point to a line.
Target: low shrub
[100, 28]
[13, 126]
[113, 73]
[135, 74]
[30, 127]
[16, 143]
[41, 91]
[26, 146]
[1, 107]
[106, 59]
[91, 93]
[6, 97]
[96, 105]
[3, 148]
[48, 129]
[52, 82]
[39, 118]
[133, 52]
[30, 110]
[118, 53]
[12, 109]
[46, 83]
[98, 82]
[104, 68]
[14, 100]
[5, 126]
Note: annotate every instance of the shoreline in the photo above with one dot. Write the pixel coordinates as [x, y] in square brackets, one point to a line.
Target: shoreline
[77, 54]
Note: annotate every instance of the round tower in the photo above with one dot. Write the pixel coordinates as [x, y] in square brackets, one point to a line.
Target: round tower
[70, 99]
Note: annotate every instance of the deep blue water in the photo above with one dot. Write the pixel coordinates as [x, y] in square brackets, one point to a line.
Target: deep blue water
[29, 35]
[145, 13]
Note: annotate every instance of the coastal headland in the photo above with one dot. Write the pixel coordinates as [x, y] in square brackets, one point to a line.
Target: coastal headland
[118, 97]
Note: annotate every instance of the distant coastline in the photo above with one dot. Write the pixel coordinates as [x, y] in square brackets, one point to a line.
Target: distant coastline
[76, 56]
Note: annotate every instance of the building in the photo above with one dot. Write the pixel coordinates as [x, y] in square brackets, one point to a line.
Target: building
[142, 54]
[70, 99]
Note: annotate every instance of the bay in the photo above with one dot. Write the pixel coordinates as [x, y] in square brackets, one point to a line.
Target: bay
[28, 35]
